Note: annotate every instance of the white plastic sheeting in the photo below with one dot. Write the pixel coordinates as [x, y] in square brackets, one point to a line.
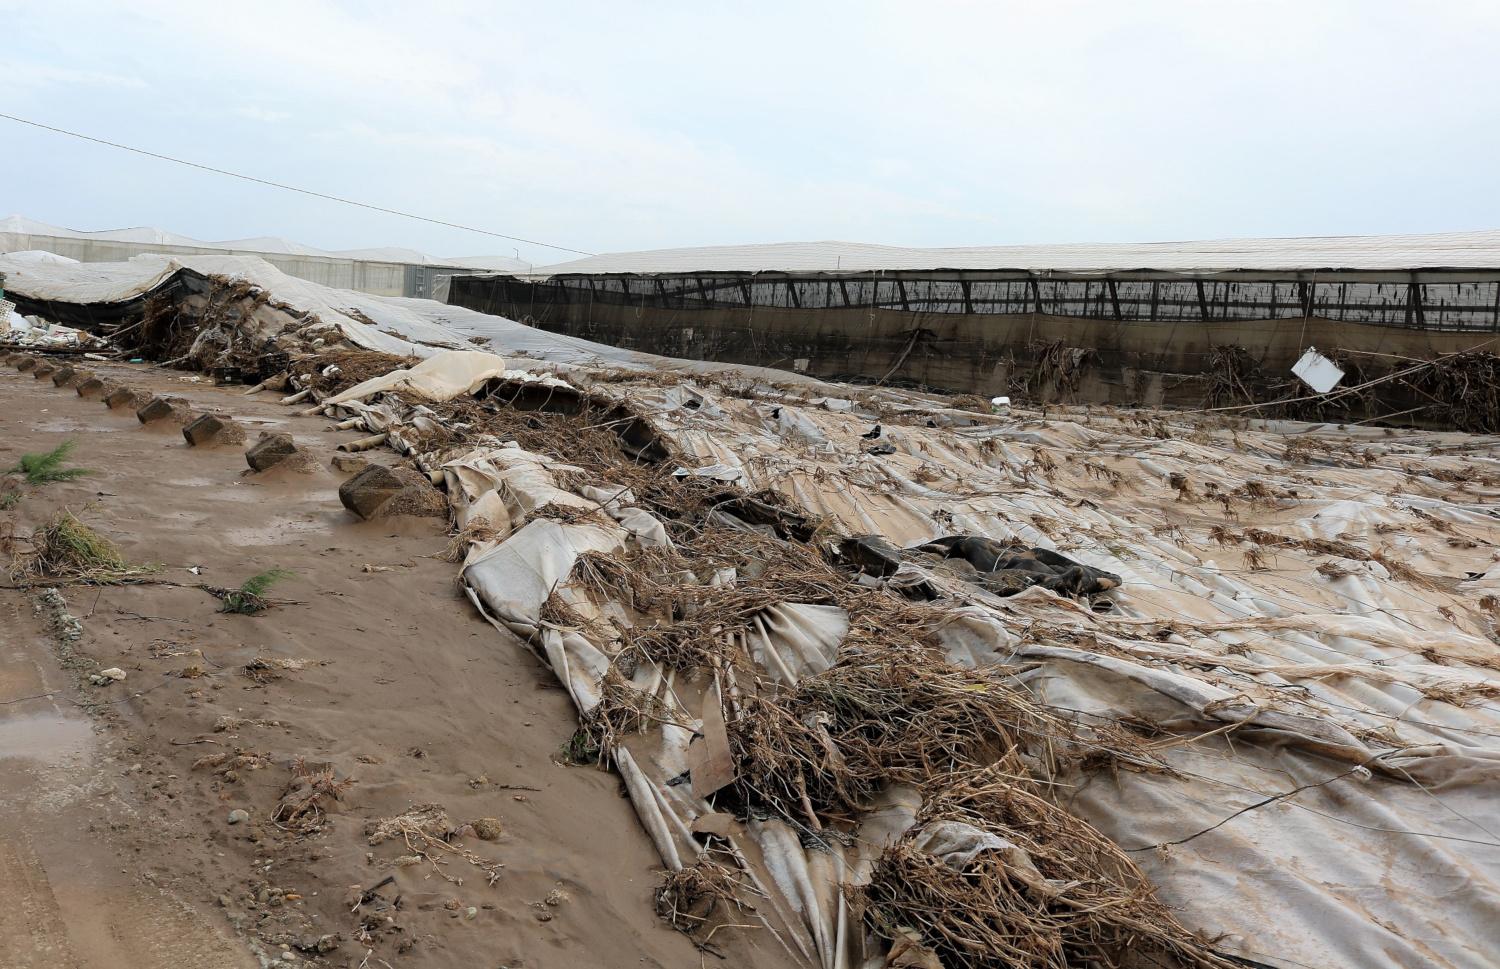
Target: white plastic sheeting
[18, 226]
[1345, 702]
[396, 325]
[442, 376]
[1309, 613]
[1307, 659]
[389, 329]
[1457, 250]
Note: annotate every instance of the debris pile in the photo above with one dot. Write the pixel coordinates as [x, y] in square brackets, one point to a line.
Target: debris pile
[901, 682]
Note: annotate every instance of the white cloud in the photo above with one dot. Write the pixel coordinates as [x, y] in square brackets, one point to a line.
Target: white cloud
[606, 126]
[256, 113]
[28, 74]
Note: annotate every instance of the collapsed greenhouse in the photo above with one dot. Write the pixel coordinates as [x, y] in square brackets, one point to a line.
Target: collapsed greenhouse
[892, 680]
[1183, 324]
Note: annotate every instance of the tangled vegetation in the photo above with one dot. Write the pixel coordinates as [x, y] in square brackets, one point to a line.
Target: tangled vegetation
[66, 548]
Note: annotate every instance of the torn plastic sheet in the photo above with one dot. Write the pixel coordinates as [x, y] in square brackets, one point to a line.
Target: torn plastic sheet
[715, 472]
[442, 376]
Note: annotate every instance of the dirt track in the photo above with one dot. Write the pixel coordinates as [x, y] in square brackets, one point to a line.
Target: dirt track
[116, 852]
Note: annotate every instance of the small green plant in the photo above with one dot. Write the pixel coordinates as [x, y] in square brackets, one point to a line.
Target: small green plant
[9, 500]
[45, 468]
[250, 597]
[580, 749]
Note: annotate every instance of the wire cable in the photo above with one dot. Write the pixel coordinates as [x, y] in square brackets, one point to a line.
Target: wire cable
[289, 188]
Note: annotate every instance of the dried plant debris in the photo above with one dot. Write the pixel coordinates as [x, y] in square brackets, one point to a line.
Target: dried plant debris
[426, 832]
[231, 765]
[888, 713]
[994, 876]
[308, 797]
[430, 820]
[476, 532]
[268, 669]
[699, 897]
[334, 371]
[66, 548]
[1464, 390]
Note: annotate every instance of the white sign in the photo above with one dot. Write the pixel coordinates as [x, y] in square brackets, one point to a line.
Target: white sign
[1317, 371]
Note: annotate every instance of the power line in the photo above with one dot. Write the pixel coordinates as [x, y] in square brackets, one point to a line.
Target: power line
[289, 188]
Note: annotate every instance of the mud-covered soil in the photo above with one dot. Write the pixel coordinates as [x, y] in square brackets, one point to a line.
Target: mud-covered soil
[116, 848]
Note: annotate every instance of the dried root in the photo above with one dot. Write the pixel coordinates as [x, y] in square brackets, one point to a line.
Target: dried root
[695, 898]
[427, 834]
[308, 796]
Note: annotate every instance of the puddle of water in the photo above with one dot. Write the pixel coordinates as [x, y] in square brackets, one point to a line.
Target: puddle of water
[45, 737]
[192, 482]
[272, 533]
[64, 424]
[224, 491]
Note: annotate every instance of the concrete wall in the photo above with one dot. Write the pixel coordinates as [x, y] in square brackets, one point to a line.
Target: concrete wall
[377, 278]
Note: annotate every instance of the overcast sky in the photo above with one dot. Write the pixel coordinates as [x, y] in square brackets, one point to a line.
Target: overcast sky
[618, 126]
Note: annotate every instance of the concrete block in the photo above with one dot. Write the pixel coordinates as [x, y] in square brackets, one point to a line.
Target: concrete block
[128, 397]
[163, 409]
[380, 492]
[211, 429]
[270, 449]
[92, 387]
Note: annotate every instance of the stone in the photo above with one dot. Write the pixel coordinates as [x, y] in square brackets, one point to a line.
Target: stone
[211, 429]
[488, 829]
[26, 363]
[380, 492]
[64, 375]
[43, 369]
[270, 449]
[105, 677]
[91, 387]
[239, 816]
[163, 409]
[349, 462]
[125, 397]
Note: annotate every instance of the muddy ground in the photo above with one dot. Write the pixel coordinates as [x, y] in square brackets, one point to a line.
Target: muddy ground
[117, 851]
